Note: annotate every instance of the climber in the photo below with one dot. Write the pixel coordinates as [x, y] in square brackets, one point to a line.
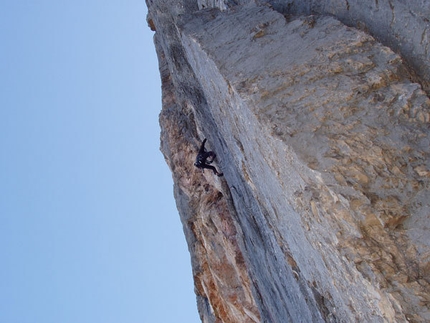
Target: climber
[201, 159]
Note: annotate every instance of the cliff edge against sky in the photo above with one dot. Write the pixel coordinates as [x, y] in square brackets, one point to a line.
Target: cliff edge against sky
[318, 114]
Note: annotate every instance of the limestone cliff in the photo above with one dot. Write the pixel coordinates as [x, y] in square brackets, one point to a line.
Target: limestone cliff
[322, 132]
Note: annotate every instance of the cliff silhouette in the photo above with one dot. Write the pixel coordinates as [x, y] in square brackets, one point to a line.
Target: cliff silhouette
[319, 116]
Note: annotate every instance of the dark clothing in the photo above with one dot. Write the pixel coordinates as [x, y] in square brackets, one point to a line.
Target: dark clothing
[202, 147]
[209, 167]
[201, 159]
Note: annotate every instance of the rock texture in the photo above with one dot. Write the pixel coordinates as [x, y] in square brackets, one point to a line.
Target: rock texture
[323, 213]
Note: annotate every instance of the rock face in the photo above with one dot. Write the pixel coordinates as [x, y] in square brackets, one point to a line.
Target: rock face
[323, 213]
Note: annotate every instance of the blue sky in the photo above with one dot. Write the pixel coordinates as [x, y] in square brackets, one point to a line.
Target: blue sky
[89, 231]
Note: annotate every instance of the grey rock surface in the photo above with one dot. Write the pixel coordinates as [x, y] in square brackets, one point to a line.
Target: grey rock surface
[404, 26]
[323, 210]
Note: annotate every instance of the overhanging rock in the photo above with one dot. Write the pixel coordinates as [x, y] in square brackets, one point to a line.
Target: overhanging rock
[323, 213]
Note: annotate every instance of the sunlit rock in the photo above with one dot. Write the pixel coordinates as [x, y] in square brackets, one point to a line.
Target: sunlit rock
[323, 213]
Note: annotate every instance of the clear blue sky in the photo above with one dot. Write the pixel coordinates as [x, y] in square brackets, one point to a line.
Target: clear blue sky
[89, 232]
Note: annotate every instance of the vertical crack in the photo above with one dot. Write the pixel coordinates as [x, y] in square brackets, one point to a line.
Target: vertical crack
[393, 16]
[424, 41]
